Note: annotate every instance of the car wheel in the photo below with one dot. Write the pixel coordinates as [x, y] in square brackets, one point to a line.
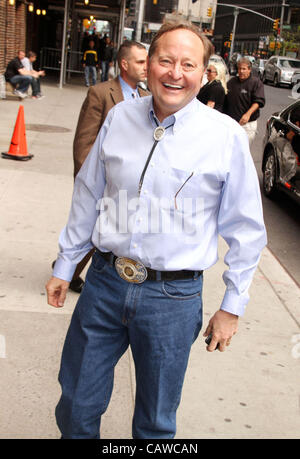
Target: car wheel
[269, 175]
[276, 80]
[264, 79]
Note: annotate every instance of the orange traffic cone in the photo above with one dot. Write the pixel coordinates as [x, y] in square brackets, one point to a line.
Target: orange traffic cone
[18, 144]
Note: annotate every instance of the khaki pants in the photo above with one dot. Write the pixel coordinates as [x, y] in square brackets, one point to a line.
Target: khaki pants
[251, 130]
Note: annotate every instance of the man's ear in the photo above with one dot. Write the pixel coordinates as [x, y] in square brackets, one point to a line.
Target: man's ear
[124, 64]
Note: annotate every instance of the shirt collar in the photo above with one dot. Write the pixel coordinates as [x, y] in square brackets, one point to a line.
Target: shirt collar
[177, 118]
[127, 90]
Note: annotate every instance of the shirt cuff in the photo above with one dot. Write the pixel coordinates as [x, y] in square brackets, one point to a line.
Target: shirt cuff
[234, 303]
[63, 269]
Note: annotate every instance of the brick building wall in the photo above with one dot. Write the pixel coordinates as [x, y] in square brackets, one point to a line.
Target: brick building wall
[12, 31]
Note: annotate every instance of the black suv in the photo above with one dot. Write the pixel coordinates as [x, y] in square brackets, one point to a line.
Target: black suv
[281, 157]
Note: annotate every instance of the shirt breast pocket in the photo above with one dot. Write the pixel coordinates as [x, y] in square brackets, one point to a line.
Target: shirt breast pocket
[185, 196]
[185, 186]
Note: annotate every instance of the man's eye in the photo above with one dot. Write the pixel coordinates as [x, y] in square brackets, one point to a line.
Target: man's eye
[188, 66]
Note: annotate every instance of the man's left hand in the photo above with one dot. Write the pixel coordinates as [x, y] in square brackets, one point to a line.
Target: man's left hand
[223, 325]
[244, 120]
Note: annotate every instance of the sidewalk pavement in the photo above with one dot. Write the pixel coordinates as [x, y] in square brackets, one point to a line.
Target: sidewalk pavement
[250, 391]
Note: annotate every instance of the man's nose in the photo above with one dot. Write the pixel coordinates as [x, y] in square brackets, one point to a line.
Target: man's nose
[176, 72]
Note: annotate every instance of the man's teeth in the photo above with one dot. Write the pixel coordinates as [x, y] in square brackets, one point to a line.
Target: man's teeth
[175, 86]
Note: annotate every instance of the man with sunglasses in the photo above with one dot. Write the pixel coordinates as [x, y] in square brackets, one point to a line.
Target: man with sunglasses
[154, 193]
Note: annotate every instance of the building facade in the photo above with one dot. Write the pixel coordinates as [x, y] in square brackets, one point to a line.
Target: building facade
[202, 13]
[12, 30]
[254, 34]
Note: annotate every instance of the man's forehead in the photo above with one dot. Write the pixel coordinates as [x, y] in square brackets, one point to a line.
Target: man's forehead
[177, 41]
[173, 35]
[137, 53]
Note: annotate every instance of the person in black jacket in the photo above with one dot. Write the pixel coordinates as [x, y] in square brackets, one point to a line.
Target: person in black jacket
[245, 97]
[213, 92]
[106, 59]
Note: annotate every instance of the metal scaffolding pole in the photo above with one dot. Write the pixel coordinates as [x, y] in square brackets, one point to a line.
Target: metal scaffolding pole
[63, 48]
[140, 20]
[121, 22]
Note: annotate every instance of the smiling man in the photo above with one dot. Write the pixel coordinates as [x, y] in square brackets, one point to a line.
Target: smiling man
[156, 190]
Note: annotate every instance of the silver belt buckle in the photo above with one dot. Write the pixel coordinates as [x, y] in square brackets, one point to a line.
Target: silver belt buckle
[131, 270]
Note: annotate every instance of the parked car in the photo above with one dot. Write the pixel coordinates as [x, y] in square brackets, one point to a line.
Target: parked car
[258, 68]
[296, 77]
[281, 154]
[216, 58]
[147, 46]
[232, 65]
[251, 59]
[280, 70]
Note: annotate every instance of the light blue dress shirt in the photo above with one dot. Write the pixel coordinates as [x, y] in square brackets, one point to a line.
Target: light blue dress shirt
[200, 182]
[128, 92]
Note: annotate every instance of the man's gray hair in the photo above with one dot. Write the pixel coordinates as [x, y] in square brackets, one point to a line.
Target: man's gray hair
[244, 61]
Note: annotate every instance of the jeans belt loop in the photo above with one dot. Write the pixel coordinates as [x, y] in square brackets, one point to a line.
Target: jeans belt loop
[158, 275]
[111, 259]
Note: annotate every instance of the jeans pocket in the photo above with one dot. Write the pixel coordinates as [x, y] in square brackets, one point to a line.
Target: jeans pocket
[98, 263]
[185, 289]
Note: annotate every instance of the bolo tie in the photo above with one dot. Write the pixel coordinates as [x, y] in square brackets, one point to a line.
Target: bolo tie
[158, 135]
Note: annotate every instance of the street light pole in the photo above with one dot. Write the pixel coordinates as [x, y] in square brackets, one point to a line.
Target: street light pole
[281, 18]
[235, 13]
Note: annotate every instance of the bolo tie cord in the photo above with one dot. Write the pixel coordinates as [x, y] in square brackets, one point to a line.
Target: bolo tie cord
[159, 133]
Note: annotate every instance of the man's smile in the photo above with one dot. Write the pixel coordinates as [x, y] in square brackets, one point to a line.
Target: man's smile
[172, 86]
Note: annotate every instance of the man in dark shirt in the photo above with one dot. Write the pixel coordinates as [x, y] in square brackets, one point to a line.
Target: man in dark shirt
[244, 98]
[16, 74]
[106, 59]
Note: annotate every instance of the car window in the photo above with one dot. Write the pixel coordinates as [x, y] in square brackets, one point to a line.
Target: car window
[294, 117]
[289, 64]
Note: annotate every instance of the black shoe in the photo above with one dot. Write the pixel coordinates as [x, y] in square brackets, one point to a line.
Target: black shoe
[76, 285]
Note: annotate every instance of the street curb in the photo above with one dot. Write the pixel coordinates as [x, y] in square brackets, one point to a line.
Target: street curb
[286, 289]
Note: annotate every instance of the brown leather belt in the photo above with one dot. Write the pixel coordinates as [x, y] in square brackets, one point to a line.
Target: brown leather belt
[154, 275]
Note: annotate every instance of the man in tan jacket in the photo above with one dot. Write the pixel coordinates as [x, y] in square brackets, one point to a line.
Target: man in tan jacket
[132, 57]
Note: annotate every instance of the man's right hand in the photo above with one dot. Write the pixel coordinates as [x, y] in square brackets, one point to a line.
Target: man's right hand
[57, 291]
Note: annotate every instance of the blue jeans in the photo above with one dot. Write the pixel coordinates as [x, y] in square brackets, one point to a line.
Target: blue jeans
[23, 82]
[104, 70]
[35, 86]
[159, 320]
[90, 69]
